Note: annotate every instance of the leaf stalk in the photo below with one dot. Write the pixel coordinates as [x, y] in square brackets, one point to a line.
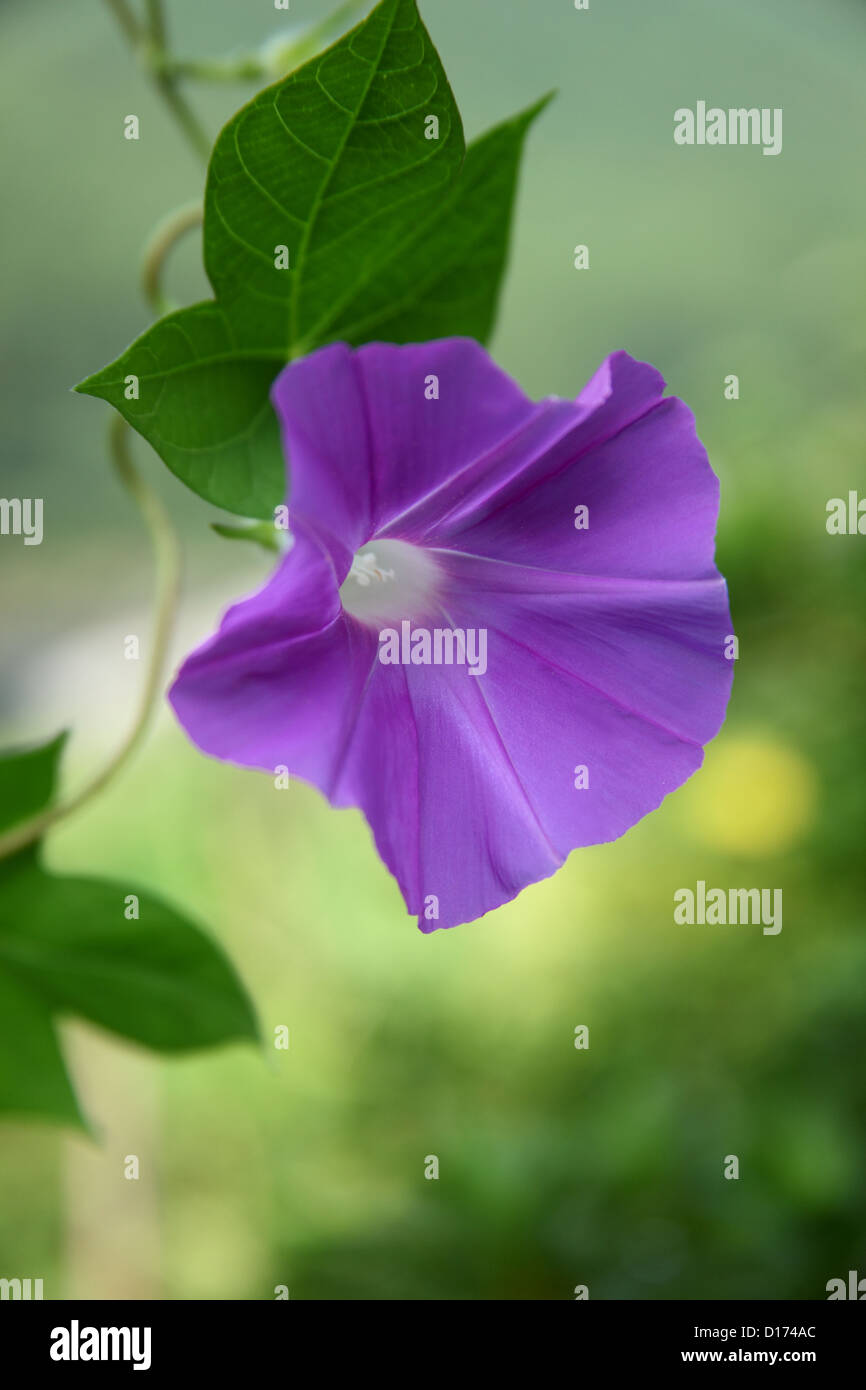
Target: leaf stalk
[167, 559]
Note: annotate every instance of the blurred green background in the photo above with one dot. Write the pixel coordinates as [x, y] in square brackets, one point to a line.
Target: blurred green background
[558, 1167]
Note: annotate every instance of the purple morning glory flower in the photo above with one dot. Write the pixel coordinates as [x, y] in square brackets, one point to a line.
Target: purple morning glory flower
[499, 630]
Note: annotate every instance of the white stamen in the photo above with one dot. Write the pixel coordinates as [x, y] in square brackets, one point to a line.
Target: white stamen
[364, 568]
[395, 580]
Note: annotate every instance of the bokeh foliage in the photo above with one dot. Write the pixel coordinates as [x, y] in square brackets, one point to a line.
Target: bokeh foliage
[558, 1167]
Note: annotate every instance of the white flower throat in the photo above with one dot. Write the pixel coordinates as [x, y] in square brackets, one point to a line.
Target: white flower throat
[390, 580]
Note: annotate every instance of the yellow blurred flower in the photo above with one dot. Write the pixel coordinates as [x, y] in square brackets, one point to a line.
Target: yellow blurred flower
[754, 795]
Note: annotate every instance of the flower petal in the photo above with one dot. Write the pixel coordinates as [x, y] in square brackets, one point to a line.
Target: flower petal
[469, 783]
[631, 457]
[365, 442]
[279, 683]
[448, 813]
[548, 725]
[654, 646]
[627, 679]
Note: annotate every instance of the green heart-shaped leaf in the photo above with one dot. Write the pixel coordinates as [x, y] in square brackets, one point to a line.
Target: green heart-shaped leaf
[338, 207]
[71, 946]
